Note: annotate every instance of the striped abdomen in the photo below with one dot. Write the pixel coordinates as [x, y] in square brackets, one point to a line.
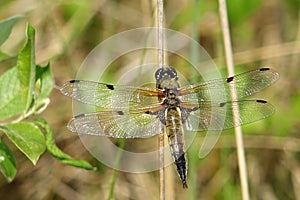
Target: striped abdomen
[175, 134]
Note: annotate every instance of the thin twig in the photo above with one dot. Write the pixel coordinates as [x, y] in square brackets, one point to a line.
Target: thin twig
[160, 40]
[238, 129]
[194, 57]
[115, 172]
[160, 34]
[162, 193]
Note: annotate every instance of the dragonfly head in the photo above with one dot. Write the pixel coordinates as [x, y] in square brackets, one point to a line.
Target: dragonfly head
[166, 78]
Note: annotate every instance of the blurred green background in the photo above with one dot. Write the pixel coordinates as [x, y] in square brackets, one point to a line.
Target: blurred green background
[264, 34]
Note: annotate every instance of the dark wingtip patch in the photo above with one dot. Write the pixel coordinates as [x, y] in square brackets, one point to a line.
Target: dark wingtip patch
[261, 101]
[228, 80]
[78, 116]
[264, 69]
[74, 81]
[120, 112]
[111, 87]
[222, 104]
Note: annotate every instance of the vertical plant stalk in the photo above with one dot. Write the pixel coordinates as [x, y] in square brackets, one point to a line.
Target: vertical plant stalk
[194, 57]
[160, 32]
[238, 129]
[161, 55]
[162, 193]
[115, 172]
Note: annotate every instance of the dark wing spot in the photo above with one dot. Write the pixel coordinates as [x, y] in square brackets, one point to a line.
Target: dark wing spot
[111, 87]
[74, 81]
[149, 112]
[79, 116]
[222, 104]
[261, 101]
[228, 80]
[120, 112]
[195, 108]
[264, 69]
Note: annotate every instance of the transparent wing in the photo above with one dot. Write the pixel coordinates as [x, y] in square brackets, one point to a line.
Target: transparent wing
[219, 116]
[118, 123]
[246, 84]
[109, 96]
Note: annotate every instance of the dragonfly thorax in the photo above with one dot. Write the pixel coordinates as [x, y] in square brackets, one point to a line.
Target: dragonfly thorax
[168, 84]
[171, 93]
[171, 98]
[171, 103]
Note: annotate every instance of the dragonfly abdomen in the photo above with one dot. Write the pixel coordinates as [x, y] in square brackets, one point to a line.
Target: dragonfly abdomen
[175, 134]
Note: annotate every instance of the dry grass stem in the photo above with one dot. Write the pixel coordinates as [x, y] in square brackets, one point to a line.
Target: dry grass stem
[238, 129]
[160, 41]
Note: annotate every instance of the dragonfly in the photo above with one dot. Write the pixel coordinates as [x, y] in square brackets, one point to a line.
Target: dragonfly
[140, 112]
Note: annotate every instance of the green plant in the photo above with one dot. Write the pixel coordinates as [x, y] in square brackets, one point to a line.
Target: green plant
[24, 91]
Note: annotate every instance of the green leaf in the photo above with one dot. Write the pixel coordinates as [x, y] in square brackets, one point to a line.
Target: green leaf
[27, 137]
[45, 81]
[43, 86]
[56, 152]
[7, 162]
[6, 27]
[26, 68]
[10, 98]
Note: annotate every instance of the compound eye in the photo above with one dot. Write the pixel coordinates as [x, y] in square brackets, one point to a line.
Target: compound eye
[172, 73]
[158, 73]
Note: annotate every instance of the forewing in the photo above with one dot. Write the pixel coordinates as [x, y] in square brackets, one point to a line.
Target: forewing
[219, 116]
[109, 96]
[118, 123]
[246, 84]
